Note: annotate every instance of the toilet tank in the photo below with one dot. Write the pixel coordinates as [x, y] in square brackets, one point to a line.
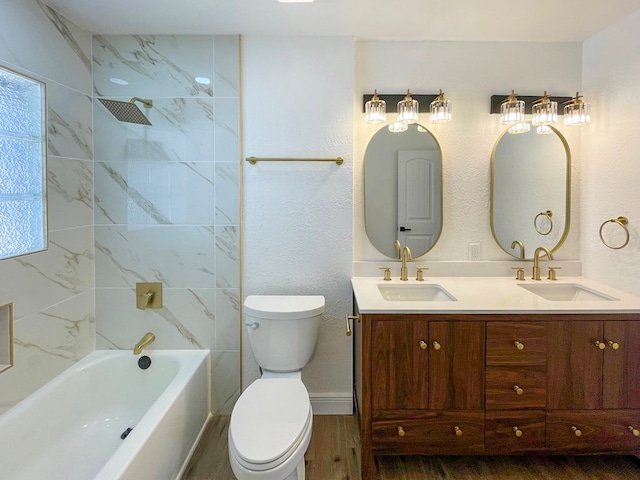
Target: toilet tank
[283, 329]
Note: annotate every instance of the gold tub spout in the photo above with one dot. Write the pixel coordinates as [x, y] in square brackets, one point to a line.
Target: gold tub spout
[144, 341]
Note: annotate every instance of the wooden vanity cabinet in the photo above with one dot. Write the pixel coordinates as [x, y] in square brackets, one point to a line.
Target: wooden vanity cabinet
[454, 384]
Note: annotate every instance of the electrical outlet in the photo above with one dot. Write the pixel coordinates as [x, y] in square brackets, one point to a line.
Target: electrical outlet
[474, 251]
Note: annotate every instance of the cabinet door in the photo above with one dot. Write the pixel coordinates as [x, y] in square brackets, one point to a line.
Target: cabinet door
[456, 365]
[621, 365]
[574, 367]
[399, 364]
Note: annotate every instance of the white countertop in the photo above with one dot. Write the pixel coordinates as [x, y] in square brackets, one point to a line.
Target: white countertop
[490, 295]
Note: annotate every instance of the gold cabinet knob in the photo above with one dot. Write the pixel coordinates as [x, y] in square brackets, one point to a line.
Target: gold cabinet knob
[635, 431]
[437, 346]
[458, 431]
[517, 432]
[577, 432]
[600, 345]
[518, 345]
[518, 390]
[400, 432]
[423, 345]
[613, 344]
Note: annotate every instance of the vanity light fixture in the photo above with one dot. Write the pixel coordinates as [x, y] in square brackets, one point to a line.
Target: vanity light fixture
[512, 110]
[375, 109]
[398, 127]
[545, 111]
[440, 109]
[408, 109]
[576, 112]
[520, 127]
[543, 130]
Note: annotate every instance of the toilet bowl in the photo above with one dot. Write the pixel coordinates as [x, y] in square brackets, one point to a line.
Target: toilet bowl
[271, 423]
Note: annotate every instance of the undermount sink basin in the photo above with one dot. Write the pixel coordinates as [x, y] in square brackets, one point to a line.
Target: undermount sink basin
[567, 292]
[428, 292]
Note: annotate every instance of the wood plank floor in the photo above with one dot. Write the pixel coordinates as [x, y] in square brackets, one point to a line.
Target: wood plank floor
[334, 454]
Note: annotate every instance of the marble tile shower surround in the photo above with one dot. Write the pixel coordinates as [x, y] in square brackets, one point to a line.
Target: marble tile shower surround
[167, 197]
[53, 291]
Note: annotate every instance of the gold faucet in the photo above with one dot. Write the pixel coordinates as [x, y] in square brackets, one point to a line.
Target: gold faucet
[144, 341]
[536, 261]
[406, 255]
[518, 242]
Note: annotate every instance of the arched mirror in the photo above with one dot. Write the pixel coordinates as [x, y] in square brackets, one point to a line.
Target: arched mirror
[403, 190]
[530, 192]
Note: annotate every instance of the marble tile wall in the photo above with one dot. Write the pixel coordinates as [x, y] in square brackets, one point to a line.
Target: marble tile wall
[167, 197]
[53, 291]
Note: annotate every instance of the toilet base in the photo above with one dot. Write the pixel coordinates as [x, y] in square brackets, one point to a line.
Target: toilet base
[298, 473]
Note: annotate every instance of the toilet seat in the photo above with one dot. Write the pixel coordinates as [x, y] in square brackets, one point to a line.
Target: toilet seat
[269, 422]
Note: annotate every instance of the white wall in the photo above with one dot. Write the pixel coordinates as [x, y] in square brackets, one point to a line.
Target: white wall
[298, 102]
[611, 169]
[469, 73]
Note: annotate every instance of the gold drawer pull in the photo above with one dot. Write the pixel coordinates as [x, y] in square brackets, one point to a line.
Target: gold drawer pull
[518, 345]
[517, 431]
[518, 390]
[437, 346]
[613, 344]
[400, 432]
[600, 345]
[635, 431]
[576, 431]
[458, 431]
[423, 345]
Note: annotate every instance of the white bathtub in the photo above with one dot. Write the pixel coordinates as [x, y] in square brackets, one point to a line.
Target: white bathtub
[70, 428]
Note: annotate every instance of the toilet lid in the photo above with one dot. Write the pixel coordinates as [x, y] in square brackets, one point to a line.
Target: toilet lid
[283, 307]
[269, 418]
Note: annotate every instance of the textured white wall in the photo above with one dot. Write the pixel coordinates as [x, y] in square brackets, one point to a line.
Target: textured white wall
[611, 170]
[297, 234]
[469, 73]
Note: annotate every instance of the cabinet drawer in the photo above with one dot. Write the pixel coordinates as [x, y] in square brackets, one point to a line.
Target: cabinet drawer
[514, 431]
[593, 431]
[516, 343]
[431, 433]
[511, 388]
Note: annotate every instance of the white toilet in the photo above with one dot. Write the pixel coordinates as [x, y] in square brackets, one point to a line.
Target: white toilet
[270, 425]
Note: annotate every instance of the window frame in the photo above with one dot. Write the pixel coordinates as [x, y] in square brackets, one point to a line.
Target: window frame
[44, 148]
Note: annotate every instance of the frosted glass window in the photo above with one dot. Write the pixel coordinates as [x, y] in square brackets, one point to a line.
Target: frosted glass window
[23, 224]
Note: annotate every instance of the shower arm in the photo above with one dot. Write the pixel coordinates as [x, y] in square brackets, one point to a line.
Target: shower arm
[146, 102]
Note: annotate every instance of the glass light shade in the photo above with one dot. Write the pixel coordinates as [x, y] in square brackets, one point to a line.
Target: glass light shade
[375, 109]
[520, 127]
[408, 109]
[421, 129]
[577, 112]
[512, 110]
[397, 127]
[545, 112]
[440, 109]
[543, 130]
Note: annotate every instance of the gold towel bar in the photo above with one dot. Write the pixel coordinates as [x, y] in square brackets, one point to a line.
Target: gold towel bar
[253, 160]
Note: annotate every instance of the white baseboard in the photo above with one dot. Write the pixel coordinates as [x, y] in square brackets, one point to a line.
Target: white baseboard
[331, 403]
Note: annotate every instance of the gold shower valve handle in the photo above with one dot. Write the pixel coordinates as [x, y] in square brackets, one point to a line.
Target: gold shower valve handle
[576, 431]
[458, 431]
[614, 345]
[436, 346]
[401, 432]
[518, 345]
[518, 390]
[634, 431]
[600, 345]
[517, 432]
[423, 345]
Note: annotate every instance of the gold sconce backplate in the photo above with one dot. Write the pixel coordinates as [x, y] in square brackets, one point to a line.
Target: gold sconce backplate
[148, 295]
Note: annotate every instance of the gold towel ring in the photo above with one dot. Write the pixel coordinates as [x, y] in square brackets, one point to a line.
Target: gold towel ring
[622, 221]
[548, 214]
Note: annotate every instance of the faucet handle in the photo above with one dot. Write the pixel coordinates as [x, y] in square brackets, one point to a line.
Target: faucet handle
[420, 274]
[552, 273]
[387, 273]
[519, 272]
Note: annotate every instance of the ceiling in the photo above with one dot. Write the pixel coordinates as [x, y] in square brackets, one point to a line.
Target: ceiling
[461, 20]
